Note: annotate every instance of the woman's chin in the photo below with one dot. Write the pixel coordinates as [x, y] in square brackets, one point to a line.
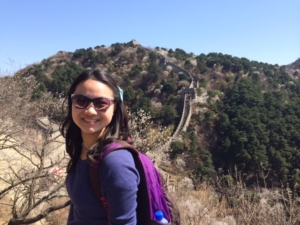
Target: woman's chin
[91, 131]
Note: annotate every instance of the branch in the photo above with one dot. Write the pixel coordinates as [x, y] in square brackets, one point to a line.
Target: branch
[39, 216]
[24, 156]
[49, 196]
[18, 183]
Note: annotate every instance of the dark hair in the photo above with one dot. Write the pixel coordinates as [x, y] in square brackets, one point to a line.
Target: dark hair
[117, 128]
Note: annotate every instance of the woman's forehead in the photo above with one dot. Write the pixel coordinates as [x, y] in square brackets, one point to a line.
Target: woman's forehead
[94, 88]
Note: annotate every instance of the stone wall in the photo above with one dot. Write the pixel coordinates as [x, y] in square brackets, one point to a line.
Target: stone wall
[188, 96]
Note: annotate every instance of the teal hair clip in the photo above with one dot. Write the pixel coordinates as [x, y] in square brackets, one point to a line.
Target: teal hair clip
[121, 93]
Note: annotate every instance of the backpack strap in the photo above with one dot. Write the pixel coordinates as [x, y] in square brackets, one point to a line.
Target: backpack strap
[94, 171]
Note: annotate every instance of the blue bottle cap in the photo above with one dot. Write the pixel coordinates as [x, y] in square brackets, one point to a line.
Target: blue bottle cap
[159, 215]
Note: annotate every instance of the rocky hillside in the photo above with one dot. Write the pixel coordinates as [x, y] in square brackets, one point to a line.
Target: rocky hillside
[244, 113]
[229, 122]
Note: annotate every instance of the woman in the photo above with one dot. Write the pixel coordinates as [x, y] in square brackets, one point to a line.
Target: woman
[95, 118]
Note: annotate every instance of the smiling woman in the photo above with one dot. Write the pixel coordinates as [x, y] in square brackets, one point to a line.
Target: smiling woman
[92, 117]
[96, 118]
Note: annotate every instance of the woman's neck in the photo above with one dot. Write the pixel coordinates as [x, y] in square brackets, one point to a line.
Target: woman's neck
[89, 144]
[88, 141]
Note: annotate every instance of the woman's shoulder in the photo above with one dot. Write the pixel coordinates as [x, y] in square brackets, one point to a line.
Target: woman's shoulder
[119, 165]
[120, 156]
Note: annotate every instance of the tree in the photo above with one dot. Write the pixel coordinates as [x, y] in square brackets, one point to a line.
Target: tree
[169, 114]
[151, 77]
[177, 148]
[100, 58]
[188, 65]
[180, 54]
[237, 67]
[28, 152]
[227, 65]
[170, 52]
[144, 103]
[203, 82]
[116, 49]
[168, 88]
[212, 62]
[153, 72]
[246, 64]
[153, 57]
[145, 134]
[38, 180]
[193, 142]
[135, 71]
[129, 95]
[206, 167]
[140, 53]
[79, 53]
[62, 77]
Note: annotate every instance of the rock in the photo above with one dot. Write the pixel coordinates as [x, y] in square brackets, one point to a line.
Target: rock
[180, 164]
[228, 220]
[186, 183]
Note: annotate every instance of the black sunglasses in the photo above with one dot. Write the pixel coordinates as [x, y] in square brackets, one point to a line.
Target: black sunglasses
[100, 104]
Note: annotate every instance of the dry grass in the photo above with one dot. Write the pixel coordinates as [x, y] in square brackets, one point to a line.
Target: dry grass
[58, 217]
[236, 205]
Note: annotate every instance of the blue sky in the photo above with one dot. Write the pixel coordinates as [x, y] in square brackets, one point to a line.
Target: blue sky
[262, 30]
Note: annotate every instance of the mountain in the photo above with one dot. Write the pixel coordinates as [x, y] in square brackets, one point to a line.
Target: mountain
[244, 115]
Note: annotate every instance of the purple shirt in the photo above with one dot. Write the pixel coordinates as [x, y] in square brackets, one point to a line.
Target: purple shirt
[119, 184]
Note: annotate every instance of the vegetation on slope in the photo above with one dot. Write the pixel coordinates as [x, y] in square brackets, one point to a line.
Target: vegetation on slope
[246, 130]
[250, 120]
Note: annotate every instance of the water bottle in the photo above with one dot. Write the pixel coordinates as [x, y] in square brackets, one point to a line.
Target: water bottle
[159, 217]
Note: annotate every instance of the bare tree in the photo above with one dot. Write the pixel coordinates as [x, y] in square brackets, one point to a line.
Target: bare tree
[31, 152]
[146, 135]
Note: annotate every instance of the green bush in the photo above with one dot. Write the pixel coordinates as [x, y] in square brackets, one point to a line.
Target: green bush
[177, 149]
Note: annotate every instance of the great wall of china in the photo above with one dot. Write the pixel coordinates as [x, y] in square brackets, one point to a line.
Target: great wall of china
[159, 155]
[188, 95]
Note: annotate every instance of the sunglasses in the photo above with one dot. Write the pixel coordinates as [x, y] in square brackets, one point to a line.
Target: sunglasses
[100, 104]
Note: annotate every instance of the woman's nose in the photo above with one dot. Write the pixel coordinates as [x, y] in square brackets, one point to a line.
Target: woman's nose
[91, 109]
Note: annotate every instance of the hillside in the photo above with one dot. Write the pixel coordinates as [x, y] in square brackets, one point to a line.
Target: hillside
[244, 114]
[224, 129]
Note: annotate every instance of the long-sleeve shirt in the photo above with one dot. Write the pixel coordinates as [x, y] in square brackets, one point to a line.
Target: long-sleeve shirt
[119, 184]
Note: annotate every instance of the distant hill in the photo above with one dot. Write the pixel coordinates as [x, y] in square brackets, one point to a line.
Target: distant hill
[245, 113]
[295, 65]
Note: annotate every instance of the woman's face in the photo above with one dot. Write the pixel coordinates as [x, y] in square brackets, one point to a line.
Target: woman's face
[91, 122]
